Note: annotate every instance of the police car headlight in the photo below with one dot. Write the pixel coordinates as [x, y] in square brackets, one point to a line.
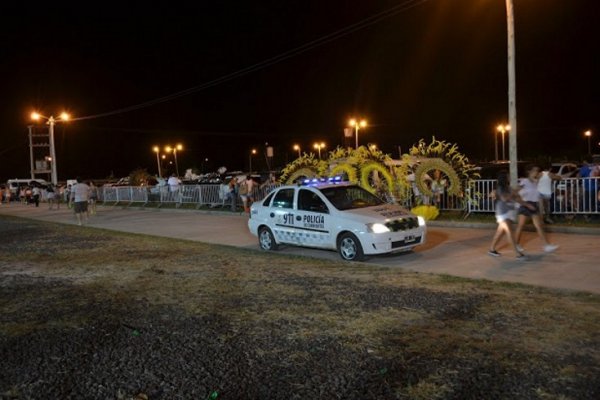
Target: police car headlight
[421, 221]
[377, 228]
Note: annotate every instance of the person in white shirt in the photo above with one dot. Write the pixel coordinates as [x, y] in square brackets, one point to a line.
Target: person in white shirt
[530, 194]
[80, 195]
[36, 192]
[173, 183]
[545, 188]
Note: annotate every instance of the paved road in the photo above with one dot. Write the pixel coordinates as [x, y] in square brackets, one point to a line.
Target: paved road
[453, 251]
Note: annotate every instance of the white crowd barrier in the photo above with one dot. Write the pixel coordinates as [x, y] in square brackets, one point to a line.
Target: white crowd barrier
[570, 196]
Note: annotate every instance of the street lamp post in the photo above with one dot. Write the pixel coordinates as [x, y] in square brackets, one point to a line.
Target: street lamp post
[252, 152]
[156, 149]
[502, 129]
[496, 145]
[588, 135]
[357, 125]
[174, 149]
[297, 148]
[319, 146]
[51, 121]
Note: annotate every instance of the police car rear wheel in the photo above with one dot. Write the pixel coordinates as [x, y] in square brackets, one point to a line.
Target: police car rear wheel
[266, 240]
[349, 248]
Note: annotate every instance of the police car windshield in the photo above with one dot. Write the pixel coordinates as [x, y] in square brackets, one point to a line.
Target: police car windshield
[350, 197]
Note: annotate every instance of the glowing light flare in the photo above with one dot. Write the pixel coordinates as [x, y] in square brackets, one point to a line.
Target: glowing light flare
[503, 128]
[354, 123]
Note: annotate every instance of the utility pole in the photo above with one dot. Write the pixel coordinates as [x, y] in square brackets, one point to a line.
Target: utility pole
[54, 174]
[512, 100]
[31, 151]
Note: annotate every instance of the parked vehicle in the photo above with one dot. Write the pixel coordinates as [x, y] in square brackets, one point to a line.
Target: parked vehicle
[334, 215]
[564, 170]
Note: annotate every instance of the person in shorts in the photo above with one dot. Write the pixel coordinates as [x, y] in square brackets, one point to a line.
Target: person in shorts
[530, 194]
[80, 195]
[93, 197]
[247, 193]
[506, 198]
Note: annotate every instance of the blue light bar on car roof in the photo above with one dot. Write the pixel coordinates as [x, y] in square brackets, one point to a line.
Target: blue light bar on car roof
[316, 181]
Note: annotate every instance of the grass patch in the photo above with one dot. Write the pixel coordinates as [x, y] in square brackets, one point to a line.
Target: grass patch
[397, 334]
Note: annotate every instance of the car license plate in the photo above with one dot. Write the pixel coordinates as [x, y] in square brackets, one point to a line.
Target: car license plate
[409, 238]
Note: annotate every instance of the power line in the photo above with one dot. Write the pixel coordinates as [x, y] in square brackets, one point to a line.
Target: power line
[373, 19]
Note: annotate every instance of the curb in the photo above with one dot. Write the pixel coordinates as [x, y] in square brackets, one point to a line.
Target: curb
[583, 230]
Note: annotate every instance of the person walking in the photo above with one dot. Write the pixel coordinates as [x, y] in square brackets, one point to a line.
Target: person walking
[589, 172]
[506, 198]
[50, 195]
[93, 197]
[67, 195]
[173, 182]
[529, 192]
[247, 192]
[80, 195]
[35, 195]
[7, 195]
[545, 188]
[233, 193]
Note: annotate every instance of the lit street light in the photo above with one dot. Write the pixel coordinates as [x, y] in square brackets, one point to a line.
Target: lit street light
[297, 148]
[156, 149]
[502, 129]
[588, 135]
[357, 125]
[51, 121]
[175, 149]
[319, 146]
[252, 152]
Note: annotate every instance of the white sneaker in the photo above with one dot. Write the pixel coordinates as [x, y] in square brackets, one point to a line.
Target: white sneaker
[520, 249]
[549, 248]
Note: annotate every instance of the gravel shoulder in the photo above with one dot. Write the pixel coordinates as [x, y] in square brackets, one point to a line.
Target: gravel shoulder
[94, 314]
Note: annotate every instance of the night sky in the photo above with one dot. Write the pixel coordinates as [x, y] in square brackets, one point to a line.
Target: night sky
[438, 68]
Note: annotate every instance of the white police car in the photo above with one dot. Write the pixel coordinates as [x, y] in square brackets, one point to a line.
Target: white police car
[334, 215]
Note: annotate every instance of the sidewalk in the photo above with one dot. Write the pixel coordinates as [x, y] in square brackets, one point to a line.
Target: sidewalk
[458, 249]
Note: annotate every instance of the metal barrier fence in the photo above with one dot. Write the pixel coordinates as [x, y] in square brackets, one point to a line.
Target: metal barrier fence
[570, 196]
[196, 195]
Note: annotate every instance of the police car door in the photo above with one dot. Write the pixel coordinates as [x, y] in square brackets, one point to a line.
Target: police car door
[281, 215]
[313, 220]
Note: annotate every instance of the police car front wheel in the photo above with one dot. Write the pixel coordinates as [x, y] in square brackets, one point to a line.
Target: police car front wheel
[266, 240]
[349, 248]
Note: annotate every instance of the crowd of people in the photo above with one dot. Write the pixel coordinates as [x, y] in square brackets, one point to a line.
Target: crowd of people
[81, 197]
[245, 187]
[25, 195]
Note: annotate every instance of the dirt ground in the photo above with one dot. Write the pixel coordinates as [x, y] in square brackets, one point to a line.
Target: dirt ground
[96, 314]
